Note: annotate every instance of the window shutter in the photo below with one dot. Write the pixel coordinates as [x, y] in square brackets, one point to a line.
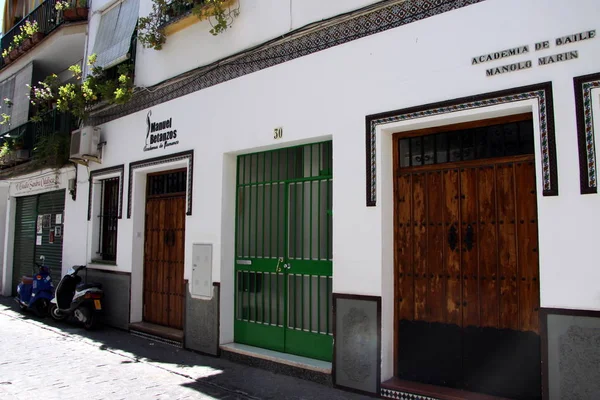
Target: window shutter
[113, 38]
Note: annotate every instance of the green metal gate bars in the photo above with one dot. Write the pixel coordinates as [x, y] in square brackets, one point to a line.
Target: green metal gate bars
[284, 250]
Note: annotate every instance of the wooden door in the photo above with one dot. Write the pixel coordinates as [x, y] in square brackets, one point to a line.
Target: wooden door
[164, 287]
[466, 275]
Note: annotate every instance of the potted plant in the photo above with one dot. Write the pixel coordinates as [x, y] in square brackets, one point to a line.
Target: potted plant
[32, 31]
[68, 12]
[13, 53]
[81, 8]
[16, 42]
[5, 55]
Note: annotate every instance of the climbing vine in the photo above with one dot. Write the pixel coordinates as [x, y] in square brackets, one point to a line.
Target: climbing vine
[151, 28]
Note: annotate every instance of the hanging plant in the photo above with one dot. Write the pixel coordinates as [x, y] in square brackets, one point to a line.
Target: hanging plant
[51, 150]
[151, 28]
[77, 98]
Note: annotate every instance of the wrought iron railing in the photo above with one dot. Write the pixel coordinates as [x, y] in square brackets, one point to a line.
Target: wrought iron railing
[178, 9]
[25, 137]
[47, 17]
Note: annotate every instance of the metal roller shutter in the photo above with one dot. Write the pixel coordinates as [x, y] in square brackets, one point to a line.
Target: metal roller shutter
[52, 203]
[26, 216]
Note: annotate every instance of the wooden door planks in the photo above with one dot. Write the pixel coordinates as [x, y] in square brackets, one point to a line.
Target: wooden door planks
[493, 283]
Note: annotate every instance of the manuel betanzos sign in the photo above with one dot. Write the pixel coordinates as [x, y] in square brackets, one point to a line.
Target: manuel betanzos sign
[159, 134]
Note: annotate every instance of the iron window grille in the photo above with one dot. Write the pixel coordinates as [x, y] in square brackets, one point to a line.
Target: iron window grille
[499, 140]
[108, 219]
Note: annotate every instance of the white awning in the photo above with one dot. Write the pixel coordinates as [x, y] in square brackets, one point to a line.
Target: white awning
[113, 38]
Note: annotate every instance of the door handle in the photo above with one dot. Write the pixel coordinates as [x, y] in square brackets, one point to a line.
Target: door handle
[279, 261]
[452, 237]
[469, 238]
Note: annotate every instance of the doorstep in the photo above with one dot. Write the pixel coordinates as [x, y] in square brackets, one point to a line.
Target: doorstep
[399, 389]
[159, 333]
[281, 363]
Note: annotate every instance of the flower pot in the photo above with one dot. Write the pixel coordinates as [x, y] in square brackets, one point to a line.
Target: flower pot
[70, 14]
[37, 37]
[7, 60]
[27, 44]
[14, 54]
[82, 12]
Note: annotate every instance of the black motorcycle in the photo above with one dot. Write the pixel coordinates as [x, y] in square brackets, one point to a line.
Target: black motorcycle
[73, 298]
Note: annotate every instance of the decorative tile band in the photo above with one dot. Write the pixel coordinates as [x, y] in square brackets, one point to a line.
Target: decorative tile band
[120, 169]
[585, 131]
[298, 44]
[186, 155]
[398, 395]
[542, 93]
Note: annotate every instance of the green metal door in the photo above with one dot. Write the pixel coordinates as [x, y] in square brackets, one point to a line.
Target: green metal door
[26, 251]
[25, 220]
[52, 205]
[284, 250]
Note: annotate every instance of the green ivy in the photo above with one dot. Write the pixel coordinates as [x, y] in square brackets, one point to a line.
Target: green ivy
[151, 28]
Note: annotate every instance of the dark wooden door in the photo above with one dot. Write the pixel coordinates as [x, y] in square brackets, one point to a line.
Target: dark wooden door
[466, 266]
[164, 287]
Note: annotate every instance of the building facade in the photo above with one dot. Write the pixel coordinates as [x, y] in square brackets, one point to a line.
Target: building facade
[38, 40]
[397, 192]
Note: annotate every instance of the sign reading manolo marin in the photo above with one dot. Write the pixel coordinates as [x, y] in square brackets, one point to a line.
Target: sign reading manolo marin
[541, 61]
[159, 135]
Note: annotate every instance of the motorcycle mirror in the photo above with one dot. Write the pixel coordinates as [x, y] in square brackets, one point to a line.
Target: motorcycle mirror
[43, 258]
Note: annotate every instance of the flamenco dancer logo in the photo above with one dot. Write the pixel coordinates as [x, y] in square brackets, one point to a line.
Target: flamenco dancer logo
[159, 135]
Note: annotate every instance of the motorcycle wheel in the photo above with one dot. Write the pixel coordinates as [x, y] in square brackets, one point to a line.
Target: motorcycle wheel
[55, 313]
[40, 308]
[91, 320]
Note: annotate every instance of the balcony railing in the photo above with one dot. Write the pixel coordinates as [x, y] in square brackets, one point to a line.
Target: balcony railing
[178, 9]
[23, 139]
[48, 19]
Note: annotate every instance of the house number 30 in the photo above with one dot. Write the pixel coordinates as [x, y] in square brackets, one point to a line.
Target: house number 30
[277, 133]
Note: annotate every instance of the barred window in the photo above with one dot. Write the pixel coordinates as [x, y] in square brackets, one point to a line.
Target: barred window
[108, 217]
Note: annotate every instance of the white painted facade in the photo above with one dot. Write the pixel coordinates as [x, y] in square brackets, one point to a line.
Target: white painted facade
[326, 95]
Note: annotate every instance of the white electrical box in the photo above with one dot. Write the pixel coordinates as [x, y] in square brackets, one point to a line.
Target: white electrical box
[202, 270]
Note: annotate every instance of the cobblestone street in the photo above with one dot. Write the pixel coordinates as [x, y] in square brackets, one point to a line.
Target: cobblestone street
[41, 359]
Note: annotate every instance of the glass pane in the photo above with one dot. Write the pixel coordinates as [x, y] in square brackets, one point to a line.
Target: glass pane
[454, 146]
[441, 144]
[468, 145]
[416, 151]
[428, 149]
[404, 152]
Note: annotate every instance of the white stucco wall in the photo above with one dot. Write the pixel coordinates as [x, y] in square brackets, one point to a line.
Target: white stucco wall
[258, 22]
[329, 96]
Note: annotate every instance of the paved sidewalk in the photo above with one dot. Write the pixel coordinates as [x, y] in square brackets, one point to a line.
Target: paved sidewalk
[42, 359]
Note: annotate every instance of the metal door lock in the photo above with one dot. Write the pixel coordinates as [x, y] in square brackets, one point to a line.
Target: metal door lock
[287, 266]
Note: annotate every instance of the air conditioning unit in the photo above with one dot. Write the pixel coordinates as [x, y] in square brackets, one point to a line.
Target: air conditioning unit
[84, 145]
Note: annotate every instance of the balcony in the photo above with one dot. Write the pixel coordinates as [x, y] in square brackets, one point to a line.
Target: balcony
[178, 14]
[51, 132]
[49, 21]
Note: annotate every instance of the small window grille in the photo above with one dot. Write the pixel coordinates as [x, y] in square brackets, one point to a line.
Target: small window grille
[166, 184]
[108, 219]
[501, 140]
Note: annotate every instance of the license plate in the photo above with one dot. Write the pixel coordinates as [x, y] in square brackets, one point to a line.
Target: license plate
[97, 305]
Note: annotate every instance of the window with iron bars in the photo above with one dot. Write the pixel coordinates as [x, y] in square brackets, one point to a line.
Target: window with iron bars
[108, 219]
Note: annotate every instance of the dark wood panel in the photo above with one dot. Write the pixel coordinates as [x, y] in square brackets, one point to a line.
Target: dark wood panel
[507, 245]
[452, 258]
[488, 249]
[404, 264]
[469, 247]
[164, 287]
[435, 248]
[419, 222]
[529, 293]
